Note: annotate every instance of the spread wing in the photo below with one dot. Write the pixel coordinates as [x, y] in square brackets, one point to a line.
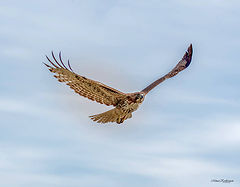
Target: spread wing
[182, 64]
[91, 89]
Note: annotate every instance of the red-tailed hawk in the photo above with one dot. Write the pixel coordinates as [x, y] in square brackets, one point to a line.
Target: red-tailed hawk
[125, 103]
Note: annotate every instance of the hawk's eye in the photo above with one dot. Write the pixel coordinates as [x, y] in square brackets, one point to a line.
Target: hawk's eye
[139, 96]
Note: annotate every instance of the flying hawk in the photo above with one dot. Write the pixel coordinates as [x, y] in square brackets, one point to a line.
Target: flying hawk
[125, 103]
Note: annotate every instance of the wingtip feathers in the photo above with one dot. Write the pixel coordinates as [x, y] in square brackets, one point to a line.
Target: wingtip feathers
[57, 64]
[188, 55]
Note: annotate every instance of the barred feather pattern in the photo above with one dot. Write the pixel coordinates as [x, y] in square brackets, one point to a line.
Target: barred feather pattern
[114, 115]
[85, 87]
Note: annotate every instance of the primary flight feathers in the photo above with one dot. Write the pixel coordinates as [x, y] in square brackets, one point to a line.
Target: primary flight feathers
[124, 103]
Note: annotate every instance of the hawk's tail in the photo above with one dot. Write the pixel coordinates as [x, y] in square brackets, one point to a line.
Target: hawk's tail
[114, 115]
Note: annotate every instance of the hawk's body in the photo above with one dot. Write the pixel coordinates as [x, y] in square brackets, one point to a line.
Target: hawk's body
[124, 103]
[121, 112]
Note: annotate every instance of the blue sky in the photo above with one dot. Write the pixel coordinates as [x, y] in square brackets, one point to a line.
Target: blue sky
[186, 132]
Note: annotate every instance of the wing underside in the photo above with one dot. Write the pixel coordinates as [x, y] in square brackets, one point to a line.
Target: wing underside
[85, 87]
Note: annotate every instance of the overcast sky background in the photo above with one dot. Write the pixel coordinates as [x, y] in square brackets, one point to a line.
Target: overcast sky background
[186, 132]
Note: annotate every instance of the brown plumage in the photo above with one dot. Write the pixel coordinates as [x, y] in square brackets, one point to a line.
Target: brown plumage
[124, 103]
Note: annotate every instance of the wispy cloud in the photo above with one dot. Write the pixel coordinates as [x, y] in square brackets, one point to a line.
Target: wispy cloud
[184, 134]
